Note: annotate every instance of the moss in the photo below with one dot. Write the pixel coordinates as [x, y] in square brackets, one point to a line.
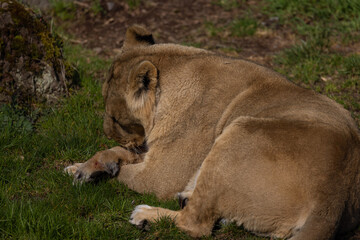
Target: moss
[27, 37]
[22, 17]
[21, 36]
[18, 43]
[36, 53]
[52, 51]
[72, 73]
[45, 42]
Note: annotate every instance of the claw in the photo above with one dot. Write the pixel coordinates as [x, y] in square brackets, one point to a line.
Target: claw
[139, 221]
[78, 175]
[144, 225]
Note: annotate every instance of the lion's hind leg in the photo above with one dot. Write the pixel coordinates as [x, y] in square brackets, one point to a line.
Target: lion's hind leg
[191, 220]
[281, 177]
[198, 216]
[259, 173]
[318, 227]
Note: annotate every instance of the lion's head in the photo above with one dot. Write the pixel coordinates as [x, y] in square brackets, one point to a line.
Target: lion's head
[129, 93]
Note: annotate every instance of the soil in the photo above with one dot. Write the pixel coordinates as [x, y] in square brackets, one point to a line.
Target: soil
[172, 21]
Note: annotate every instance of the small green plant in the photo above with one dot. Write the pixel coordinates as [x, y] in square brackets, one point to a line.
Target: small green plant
[133, 4]
[242, 27]
[227, 4]
[96, 7]
[63, 9]
[331, 88]
[212, 29]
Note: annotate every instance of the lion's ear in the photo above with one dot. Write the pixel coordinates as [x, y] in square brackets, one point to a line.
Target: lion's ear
[138, 36]
[142, 83]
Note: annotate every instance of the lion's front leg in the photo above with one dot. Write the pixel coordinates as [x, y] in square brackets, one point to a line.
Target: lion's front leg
[105, 163]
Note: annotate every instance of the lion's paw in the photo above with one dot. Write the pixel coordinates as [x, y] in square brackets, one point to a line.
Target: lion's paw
[71, 170]
[139, 217]
[92, 171]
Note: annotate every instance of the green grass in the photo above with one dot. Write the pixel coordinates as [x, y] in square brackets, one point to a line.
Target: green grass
[337, 16]
[65, 10]
[238, 27]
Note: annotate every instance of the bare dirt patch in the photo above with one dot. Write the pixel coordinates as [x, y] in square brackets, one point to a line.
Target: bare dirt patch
[184, 22]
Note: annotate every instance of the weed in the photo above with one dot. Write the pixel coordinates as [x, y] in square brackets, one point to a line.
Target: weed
[331, 88]
[243, 27]
[133, 4]
[227, 4]
[96, 7]
[63, 9]
[212, 29]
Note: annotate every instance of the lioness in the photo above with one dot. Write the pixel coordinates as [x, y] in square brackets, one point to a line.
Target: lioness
[237, 140]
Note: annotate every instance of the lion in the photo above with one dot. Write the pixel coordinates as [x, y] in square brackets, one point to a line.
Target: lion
[231, 139]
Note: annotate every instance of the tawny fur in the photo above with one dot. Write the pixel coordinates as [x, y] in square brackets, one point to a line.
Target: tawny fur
[278, 159]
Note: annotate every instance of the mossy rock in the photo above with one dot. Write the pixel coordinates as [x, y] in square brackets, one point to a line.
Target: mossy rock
[32, 68]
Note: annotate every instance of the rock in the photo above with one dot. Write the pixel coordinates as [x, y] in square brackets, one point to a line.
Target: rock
[43, 5]
[98, 50]
[110, 6]
[4, 5]
[32, 67]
